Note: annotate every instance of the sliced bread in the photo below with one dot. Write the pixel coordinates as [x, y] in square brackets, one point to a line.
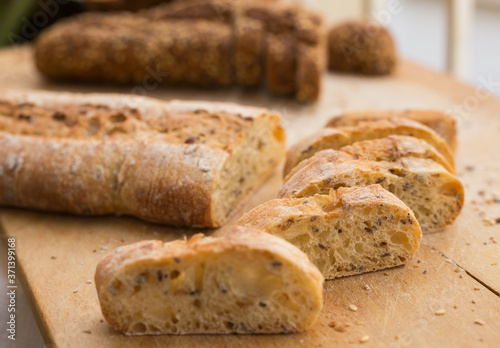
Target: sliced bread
[335, 138]
[246, 282]
[434, 194]
[441, 122]
[350, 231]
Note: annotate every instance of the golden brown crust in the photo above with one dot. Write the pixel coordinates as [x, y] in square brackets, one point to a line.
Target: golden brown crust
[362, 47]
[281, 63]
[160, 161]
[441, 122]
[213, 10]
[335, 138]
[249, 51]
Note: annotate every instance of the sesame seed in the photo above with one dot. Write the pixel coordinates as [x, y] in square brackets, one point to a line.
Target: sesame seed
[440, 312]
[353, 308]
[479, 322]
[364, 339]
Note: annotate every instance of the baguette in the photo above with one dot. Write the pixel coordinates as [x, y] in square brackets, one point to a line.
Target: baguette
[246, 282]
[390, 149]
[350, 231]
[442, 123]
[124, 48]
[180, 163]
[335, 138]
[435, 196]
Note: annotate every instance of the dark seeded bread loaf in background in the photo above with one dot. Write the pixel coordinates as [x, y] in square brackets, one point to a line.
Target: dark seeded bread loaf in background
[182, 163]
[192, 42]
[336, 138]
[346, 232]
[433, 193]
[442, 123]
[362, 47]
[248, 282]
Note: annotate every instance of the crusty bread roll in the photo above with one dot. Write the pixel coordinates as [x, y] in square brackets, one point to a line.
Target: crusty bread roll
[434, 194]
[350, 231]
[182, 163]
[362, 47]
[246, 282]
[441, 122]
[336, 138]
[390, 149]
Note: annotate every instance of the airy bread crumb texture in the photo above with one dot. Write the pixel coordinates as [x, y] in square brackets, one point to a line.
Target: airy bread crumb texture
[435, 196]
[350, 231]
[246, 282]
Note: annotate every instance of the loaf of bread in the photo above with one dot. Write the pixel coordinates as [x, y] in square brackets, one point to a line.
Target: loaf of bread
[335, 138]
[182, 163]
[434, 194]
[246, 282]
[350, 231]
[193, 42]
[362, 47]
[117, 5]
[441, 122]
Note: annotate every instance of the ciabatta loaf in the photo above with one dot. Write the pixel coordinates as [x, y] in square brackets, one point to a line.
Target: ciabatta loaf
[246, 282]
[350, 231]
[442, 123]
[335, 138]
[434, 194]
[391, 149]
[183, 163]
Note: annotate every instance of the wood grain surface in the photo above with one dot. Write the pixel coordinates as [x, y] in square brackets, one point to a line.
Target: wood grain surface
[456, 271]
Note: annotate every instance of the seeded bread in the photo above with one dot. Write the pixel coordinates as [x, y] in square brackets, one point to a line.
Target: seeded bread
[442, 123]
[350, 231]
[281, 63]
[247, 282]
[390, 149]
[335, 138]
[183, 163]
[123, 48]
[117, 5]
[435, 196]
[214, 10]
[249, 52]
[362, 47]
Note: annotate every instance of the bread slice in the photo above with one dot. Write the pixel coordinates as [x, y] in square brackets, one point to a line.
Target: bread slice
[441, 122]
[435, 196]
[184, 163]
[246, 282]
[390, 149]
[335, 138]
[350, 231]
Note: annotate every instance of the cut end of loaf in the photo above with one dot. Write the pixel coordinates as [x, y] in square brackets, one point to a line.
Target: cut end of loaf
[247, 282]
[351, 231]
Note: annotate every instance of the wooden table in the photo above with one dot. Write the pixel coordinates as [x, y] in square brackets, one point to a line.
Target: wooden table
[457, 270]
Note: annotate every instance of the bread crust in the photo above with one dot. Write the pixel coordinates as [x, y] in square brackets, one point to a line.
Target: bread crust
[335, 138]
[239, 241]
[441, 122]
[106, 153]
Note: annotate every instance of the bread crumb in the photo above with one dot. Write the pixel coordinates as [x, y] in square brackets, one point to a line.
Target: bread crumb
[88, 281]
[440, 312]
[53, 257]
[367, 287]
[353, 308]
[87, 331]
[75, 291]
[479, 322]
[336, 327]
[489, 221]
[473, 302]
[386, 273]
[476, 288]
[455, 306]
[457, 270]
[364, 339]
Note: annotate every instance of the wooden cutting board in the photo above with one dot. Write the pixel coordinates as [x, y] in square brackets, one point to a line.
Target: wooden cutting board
[457, 270]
